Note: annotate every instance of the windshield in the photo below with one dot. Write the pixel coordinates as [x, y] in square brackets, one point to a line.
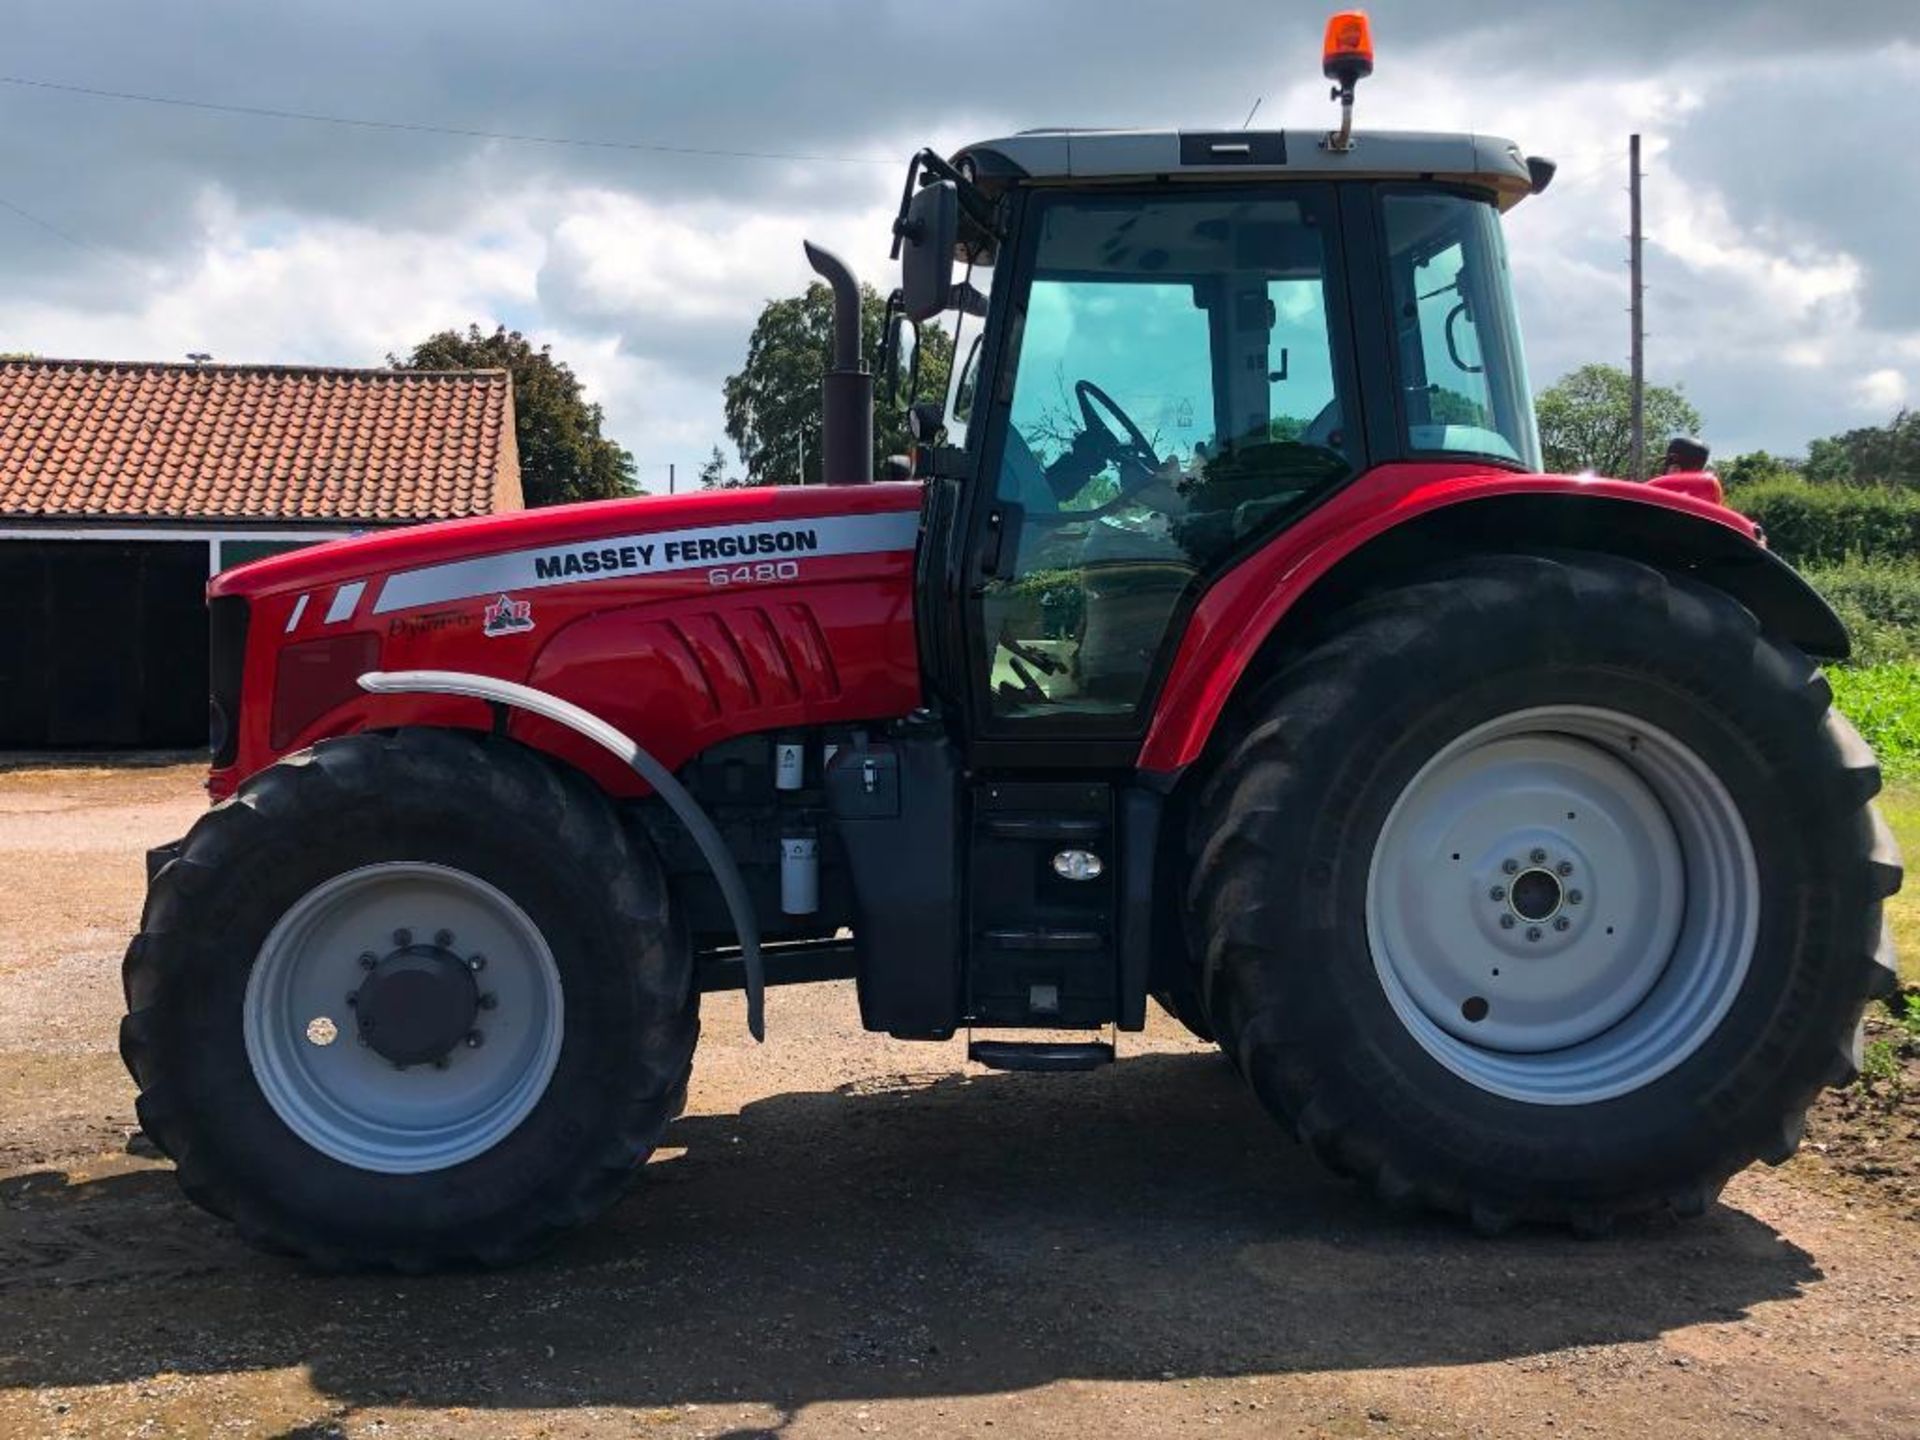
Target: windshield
[1464, 377]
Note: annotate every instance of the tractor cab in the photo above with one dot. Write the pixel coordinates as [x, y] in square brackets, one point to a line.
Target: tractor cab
[1170, 346]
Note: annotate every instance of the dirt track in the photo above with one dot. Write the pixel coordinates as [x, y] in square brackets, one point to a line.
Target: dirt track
[852, 1236]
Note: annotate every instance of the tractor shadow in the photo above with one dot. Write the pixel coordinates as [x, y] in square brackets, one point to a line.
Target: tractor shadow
[939, 1235]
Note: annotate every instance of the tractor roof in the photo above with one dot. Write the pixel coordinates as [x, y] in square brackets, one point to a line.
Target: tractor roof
[1067, 156]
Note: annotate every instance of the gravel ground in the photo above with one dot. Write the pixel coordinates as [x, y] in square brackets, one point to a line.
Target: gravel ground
[851, 1236]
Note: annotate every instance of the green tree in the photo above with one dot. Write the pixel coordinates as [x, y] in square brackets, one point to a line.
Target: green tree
[563, 455]
[1757, 467]
[713, 473]
[1586, 421]
[1873, 455]
[773, 403]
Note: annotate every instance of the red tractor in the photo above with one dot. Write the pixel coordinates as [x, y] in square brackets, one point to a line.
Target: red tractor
[1225, 647]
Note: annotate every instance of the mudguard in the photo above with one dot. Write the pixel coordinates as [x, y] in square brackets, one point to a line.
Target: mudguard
[1401, 516]
[550, 707]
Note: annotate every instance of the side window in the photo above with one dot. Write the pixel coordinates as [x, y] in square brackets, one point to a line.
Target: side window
[1449, 342]
[1174, 398]
[1464, 382]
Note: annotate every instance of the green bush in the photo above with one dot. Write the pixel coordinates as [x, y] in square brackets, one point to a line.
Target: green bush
[1879, 602]
[1814, 524]
[1884, 702]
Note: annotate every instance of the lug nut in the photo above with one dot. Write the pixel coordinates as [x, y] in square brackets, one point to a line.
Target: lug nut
[1511, 867]
[443, 938]
[475, 1039]
[1506, 922]
[1574, 897]
[1539, 857]
[1498, 892]
[403, 938]
[1533, 932]
[368, 960]
[476, 963]
[1565, 867]
[489, 1000]
[1561, 923]
[353, 999]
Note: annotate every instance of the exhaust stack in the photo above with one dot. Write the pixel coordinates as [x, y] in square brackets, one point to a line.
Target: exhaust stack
[846, 391]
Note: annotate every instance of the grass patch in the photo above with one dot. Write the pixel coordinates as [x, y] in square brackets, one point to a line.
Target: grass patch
[1900, 803]
[1884, 702]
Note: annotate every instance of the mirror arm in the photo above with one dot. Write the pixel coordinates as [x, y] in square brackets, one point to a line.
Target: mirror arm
[978, 208]
[889, 345]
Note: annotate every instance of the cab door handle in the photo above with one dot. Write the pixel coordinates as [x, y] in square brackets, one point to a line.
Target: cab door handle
[996, 551]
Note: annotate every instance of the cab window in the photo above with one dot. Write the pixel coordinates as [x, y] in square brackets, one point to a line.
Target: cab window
[1176, 397]
[1463, 378]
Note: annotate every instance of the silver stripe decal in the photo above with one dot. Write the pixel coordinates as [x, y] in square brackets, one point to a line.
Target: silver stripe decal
[299, 609]
[344, 601]
[658, 553]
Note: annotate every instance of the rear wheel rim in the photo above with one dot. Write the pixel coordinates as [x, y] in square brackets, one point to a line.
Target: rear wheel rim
[1562, 905]
[308, 1048]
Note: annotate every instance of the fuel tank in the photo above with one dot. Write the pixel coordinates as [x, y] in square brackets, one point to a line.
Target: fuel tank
[683, 620]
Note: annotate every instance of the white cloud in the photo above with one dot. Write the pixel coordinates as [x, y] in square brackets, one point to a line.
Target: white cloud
[1882, 391]
[265, 289]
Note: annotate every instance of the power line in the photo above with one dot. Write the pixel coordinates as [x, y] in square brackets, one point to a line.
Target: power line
[46, 225]
[424, 128]
[78, 242]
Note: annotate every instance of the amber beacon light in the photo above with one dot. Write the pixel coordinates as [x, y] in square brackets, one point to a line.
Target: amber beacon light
[1347, 55]
[1346, 58]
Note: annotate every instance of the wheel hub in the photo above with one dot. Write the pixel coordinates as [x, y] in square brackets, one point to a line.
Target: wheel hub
[1535, 895]
[417, 1004]
[426, 1087]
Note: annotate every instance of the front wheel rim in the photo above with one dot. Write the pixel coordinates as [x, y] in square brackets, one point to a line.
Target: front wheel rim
[1562, 904]
[311, 1054]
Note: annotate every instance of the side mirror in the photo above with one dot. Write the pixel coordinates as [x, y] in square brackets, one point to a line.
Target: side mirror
[899, 354]
[928, 232]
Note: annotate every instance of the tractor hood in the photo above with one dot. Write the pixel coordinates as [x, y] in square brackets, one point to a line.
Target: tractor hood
[535, 549]
[682, 621]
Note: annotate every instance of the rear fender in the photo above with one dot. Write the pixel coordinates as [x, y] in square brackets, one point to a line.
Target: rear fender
[1280, 592]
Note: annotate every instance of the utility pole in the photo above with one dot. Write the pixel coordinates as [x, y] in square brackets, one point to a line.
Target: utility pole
[1637, 466]
[669, 477]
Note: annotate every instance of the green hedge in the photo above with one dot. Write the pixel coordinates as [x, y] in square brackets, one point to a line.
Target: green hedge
[1879, 602]
[1815, 524]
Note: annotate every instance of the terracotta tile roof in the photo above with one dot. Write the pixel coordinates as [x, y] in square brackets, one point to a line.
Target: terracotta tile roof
[128, 440]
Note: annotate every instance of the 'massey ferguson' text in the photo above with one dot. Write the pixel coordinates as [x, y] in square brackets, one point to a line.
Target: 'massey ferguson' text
[614, 559]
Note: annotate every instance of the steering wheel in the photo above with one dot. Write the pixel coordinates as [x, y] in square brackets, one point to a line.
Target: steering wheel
[1097, 445]
[1137, 447]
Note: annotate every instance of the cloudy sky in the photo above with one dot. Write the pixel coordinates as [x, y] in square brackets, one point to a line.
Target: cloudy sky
[1782, 159]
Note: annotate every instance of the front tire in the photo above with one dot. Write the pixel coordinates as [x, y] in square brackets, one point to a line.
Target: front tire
[408, 1000]
[1547, 888]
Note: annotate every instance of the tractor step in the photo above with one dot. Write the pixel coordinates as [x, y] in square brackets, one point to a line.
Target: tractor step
[1041, 1056]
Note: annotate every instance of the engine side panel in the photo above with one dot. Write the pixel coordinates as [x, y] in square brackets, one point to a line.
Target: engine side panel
[681, 621]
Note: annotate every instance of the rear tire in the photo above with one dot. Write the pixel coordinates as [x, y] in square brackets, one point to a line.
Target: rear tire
[1354, 958]
[557, 1071]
